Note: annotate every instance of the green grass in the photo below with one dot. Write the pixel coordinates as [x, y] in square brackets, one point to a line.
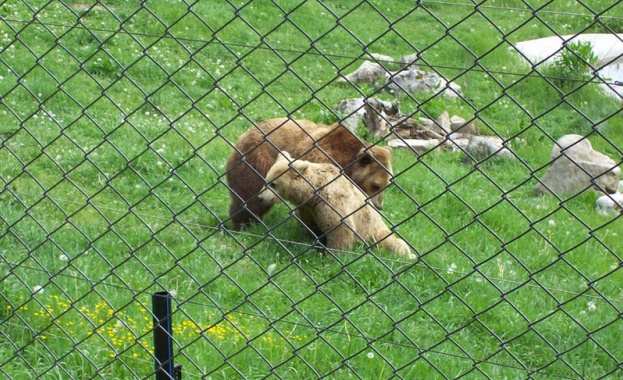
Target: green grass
[115, 132]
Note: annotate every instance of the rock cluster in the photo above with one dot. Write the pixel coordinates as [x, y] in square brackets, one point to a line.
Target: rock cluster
[408, 78]
[383, 119]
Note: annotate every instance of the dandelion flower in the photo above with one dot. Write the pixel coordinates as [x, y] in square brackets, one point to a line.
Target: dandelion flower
[271, 269]
[590, 305]
[370, 355]
[452, 268]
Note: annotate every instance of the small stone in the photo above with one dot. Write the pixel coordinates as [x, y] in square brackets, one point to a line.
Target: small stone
[609, 204]
[482, 147]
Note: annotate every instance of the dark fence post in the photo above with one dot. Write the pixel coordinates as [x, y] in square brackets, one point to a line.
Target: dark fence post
[163, 337]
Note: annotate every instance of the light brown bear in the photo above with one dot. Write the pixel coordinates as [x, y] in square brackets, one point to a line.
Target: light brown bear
[257, 149]
[330, 203]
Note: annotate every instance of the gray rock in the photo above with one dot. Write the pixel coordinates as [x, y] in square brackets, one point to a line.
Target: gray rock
[444, 123]
[482, 147]
[410, 61]
[377, 116]
[452, 90]
[413, 80]
[367, 73]
[353, 109]
[456, 123]
[575, 166]
[458, 143]
[434, 126]
[459, 125]
[384, 60]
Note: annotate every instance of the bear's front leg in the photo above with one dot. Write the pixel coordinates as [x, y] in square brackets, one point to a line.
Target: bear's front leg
[396, 245]
[305, 215]
[340, 237]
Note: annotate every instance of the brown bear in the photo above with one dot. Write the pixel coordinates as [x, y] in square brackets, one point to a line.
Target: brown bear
[334, 205]
[257, 149]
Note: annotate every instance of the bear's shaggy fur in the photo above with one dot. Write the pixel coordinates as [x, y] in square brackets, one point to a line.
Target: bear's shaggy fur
[330, 203]
[257, 149]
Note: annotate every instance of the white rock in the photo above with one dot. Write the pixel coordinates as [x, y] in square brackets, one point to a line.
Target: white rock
[607, 47]
[609, 204]
[420, 146]
[456, 122]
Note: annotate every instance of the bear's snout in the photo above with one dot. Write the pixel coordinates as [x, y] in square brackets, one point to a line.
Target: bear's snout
[377, 201]
[268, 197]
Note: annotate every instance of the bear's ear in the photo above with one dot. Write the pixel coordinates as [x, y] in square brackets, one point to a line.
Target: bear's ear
[284, 156]
[300, 165]
[365, 156]
[383, 151]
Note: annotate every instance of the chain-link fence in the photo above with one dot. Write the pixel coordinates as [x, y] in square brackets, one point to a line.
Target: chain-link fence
[117, 120]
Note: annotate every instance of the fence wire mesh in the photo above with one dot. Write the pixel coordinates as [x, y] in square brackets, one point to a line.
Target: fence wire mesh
[116, 122]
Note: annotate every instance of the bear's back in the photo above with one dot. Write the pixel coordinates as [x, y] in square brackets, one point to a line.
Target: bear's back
[307, 140]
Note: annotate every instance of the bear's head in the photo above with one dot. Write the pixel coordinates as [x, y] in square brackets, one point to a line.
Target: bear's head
[372, 172]
[285, 179]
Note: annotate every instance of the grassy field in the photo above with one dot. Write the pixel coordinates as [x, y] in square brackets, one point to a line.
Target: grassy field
[116, 121]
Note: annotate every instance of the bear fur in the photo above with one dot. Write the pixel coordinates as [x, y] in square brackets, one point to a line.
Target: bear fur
[331, 203]
[369, 167]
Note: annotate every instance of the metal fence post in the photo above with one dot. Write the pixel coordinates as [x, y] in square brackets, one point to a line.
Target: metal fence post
[163, 338]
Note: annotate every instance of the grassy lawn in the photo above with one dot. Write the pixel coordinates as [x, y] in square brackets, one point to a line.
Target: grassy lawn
[115, 124]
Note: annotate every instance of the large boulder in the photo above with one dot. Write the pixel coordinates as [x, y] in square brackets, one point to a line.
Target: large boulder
[575, 166]
[413, 80]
